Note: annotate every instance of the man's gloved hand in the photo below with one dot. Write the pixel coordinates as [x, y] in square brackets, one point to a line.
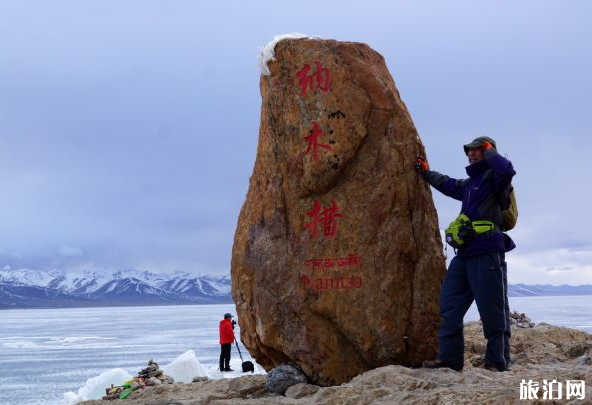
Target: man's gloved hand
[487, 146]
[421, 165]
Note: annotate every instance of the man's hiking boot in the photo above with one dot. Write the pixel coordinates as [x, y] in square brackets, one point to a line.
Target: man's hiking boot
[439, 364]
[491, 367]
[228, 369]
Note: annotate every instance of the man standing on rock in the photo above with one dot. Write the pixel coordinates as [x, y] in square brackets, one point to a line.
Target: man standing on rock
[226, 341]
[478, 271]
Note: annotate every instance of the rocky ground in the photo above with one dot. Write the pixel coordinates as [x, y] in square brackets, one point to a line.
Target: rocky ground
[544, 352]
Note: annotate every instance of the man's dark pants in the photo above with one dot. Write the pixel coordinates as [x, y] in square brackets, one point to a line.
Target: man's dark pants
[225, 356]
[482, 278]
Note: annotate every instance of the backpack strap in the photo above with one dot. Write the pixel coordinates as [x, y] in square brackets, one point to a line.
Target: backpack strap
[502, 196]
[491, 209]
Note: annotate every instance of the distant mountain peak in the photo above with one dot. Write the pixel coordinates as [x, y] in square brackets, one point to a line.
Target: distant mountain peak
[21, 288]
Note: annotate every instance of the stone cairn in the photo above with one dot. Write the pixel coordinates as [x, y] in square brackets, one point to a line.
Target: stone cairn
[517, 320]
[520, 320]
[154, 375]
[149, 376]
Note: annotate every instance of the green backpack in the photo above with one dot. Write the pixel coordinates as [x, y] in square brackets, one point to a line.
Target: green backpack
[462, 230]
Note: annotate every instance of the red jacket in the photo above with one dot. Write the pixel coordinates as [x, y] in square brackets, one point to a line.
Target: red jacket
[226, 332]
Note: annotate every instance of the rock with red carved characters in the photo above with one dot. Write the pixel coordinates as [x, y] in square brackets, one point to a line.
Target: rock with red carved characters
[337, 259]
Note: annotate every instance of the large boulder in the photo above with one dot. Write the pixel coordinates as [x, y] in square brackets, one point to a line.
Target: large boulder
[337, 259]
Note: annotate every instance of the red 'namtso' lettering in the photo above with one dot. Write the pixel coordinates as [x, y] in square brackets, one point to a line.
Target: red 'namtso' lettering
[352, 260]
[336, 283]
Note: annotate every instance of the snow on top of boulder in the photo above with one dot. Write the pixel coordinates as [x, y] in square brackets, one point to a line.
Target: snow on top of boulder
[268, 51]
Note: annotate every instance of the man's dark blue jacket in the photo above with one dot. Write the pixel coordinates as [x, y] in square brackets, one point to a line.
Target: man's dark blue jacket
[481, 196]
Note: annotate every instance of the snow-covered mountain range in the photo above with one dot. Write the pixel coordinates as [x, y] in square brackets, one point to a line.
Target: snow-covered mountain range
[25, 288]
[540, 290]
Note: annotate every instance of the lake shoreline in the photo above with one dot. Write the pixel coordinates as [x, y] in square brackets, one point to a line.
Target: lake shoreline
[542, 353]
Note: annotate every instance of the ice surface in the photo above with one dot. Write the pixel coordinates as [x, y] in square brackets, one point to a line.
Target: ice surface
[95, 387]
[236, 365]
[74, 344]
[56, 342]
[268, 51]
[185, 367]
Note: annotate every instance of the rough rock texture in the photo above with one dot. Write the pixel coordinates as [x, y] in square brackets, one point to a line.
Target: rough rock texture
[337, 262]
[283, 377]
[301, 390]
[542, 353]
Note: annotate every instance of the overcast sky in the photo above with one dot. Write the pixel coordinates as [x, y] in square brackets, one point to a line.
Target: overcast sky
[128, 129]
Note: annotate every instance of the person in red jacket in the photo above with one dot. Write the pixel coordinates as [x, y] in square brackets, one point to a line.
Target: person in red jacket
[226, 340]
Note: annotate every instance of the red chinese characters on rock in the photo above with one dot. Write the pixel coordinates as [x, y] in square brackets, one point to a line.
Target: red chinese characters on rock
[313, 142]
[320, 79]
[324, 216]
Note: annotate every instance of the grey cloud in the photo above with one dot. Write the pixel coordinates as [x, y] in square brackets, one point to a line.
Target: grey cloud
[557, 269]
[68, 251]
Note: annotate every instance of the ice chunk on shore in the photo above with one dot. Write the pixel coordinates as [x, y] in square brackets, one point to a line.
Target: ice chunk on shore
[185, 367]
[94, 388]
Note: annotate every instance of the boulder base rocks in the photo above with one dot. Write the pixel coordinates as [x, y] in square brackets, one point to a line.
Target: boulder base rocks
[283, 377]
[301, 390]
[337, 259]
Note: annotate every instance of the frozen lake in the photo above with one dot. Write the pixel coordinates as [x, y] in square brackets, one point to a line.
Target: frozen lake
[47, 352]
